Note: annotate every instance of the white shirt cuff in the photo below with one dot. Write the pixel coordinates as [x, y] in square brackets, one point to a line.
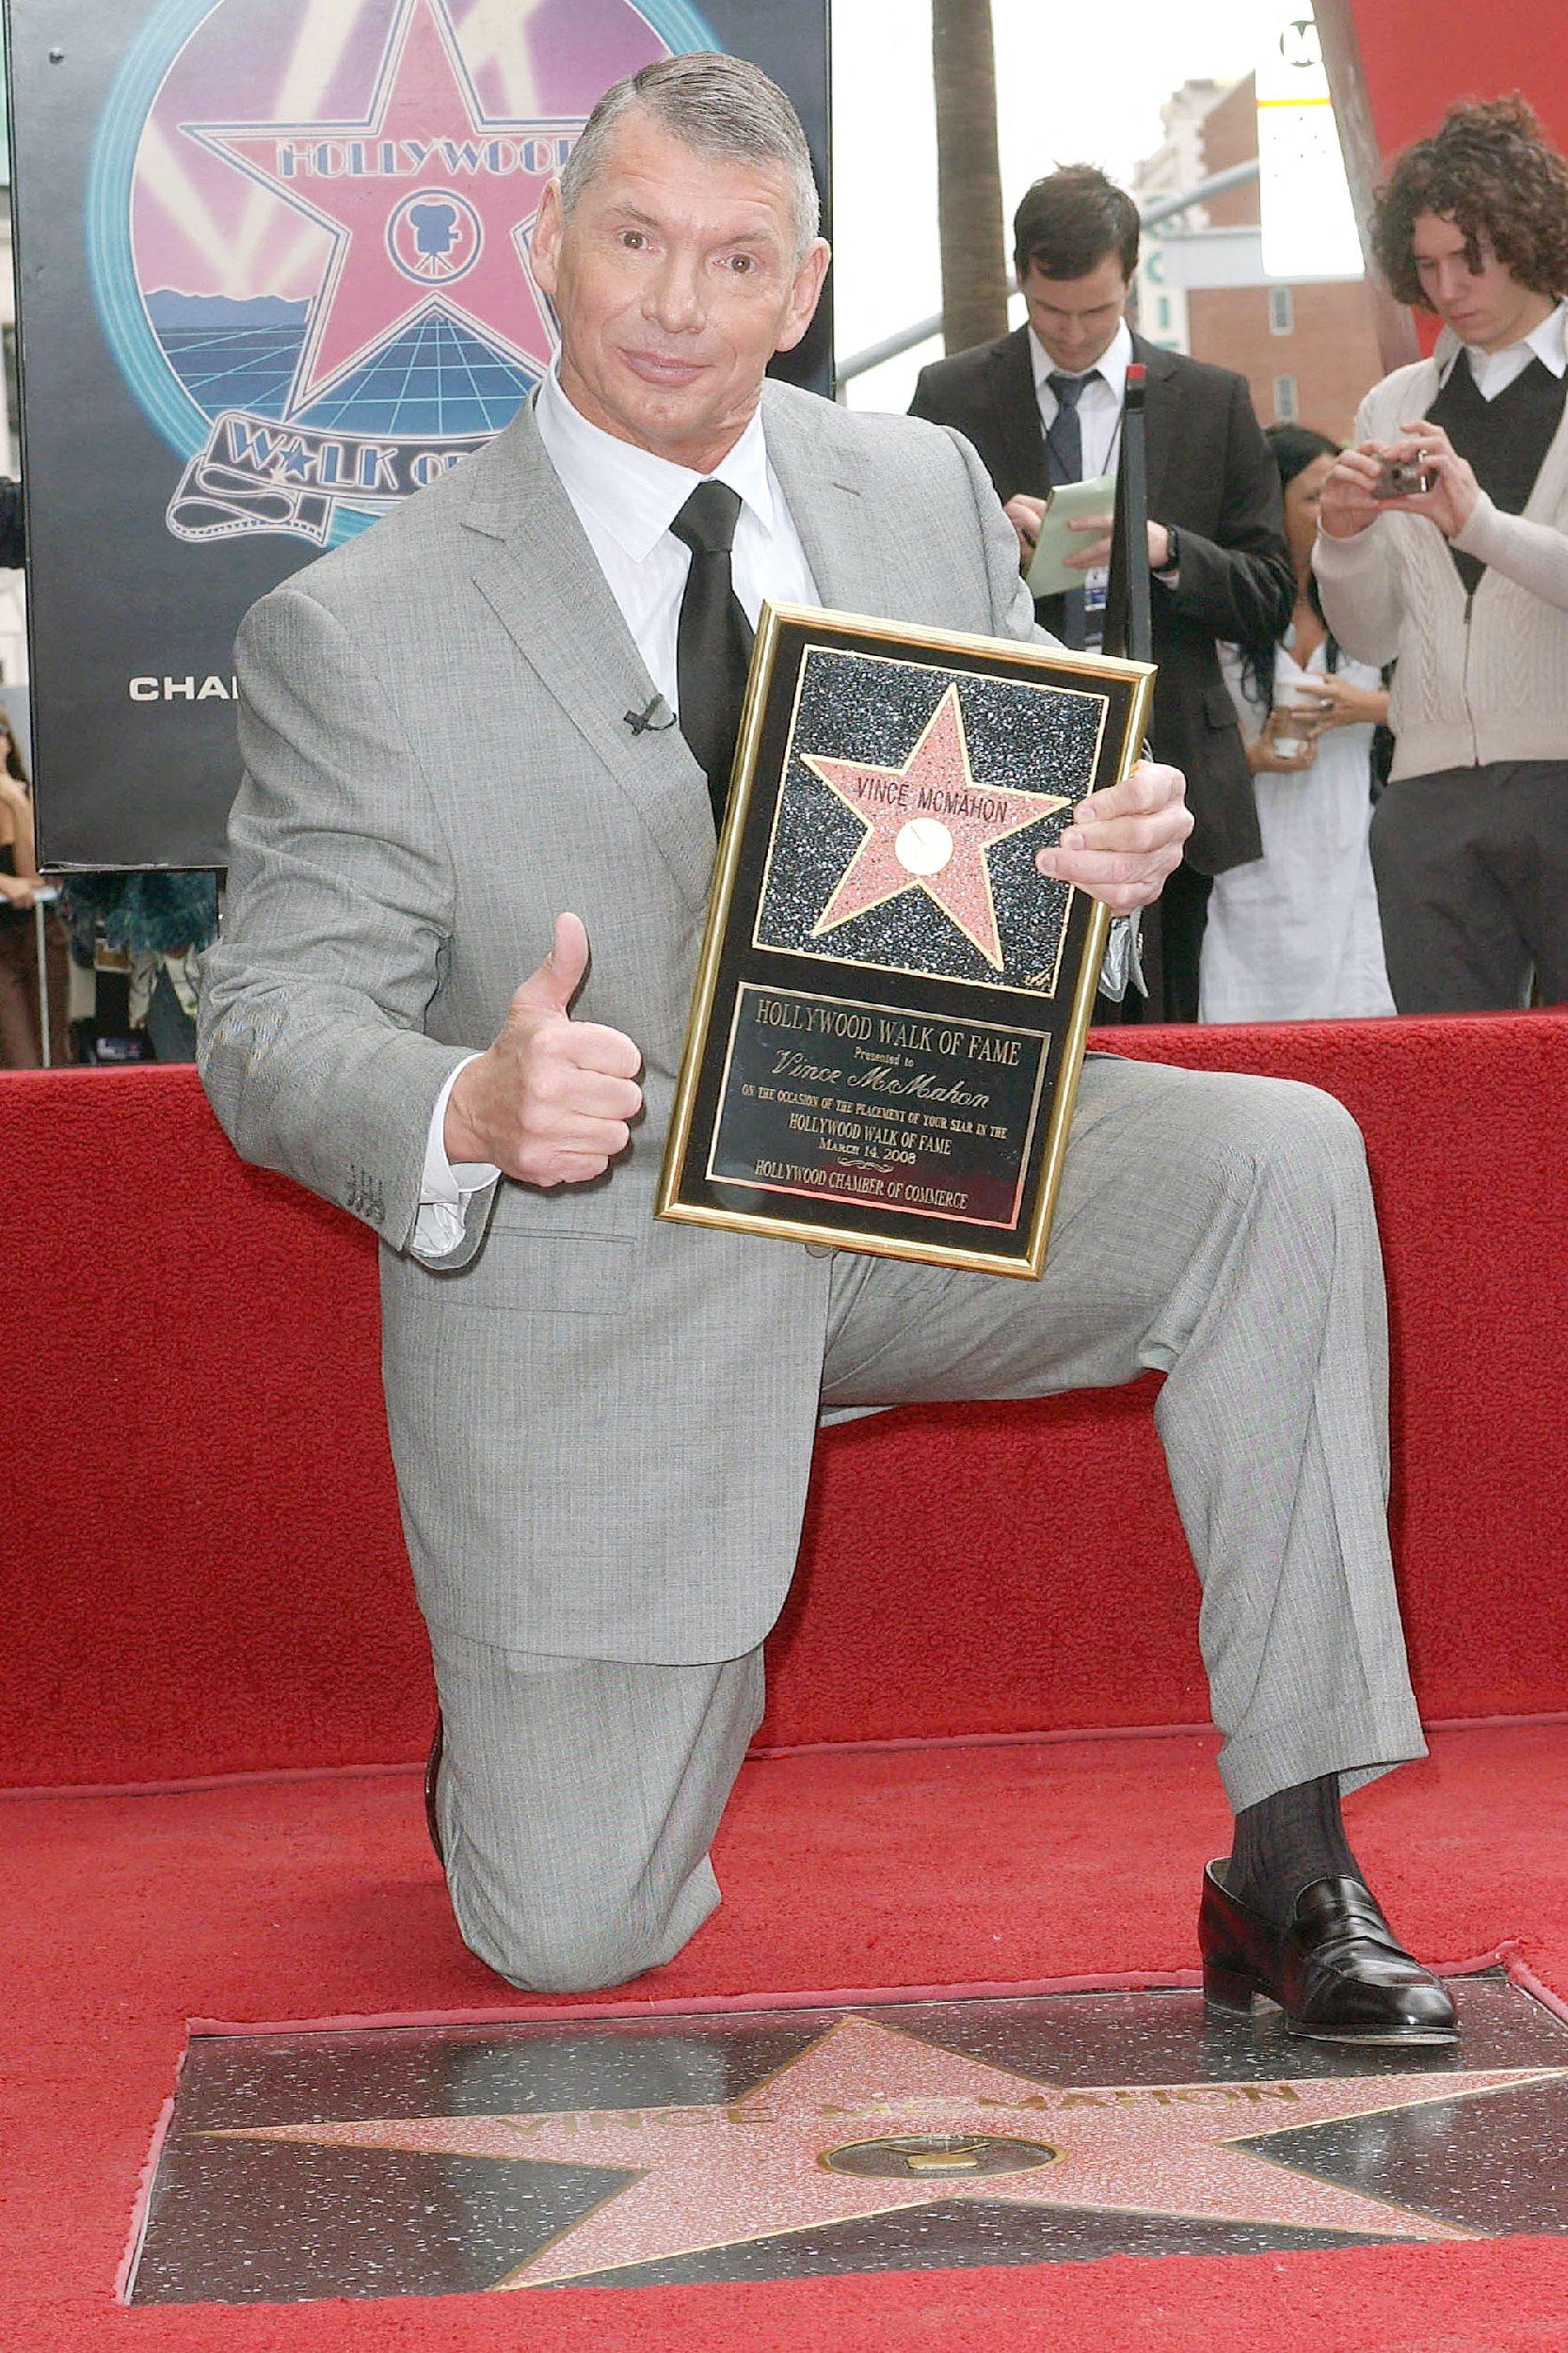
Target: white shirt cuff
[446, 1188]
[448, 1185]
[1124, 963]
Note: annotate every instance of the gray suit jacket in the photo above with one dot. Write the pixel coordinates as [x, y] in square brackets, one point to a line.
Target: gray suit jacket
[602, 1425]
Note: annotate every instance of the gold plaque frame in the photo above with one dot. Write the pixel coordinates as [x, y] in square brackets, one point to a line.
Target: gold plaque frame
[756, 960]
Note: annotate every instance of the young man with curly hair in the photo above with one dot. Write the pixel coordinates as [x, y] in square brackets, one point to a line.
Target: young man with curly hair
[1465, 581]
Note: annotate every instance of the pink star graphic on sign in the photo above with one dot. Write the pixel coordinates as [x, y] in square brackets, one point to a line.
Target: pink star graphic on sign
[871, 2119]
[429, 202]
[928, 827]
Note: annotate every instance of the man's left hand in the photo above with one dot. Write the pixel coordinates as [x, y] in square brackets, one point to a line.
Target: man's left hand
[1124, 842]
[1095, 557]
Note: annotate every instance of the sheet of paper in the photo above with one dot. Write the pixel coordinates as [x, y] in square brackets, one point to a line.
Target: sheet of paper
[1071, 502]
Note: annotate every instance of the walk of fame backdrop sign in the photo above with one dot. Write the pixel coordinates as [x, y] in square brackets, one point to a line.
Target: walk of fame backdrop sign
[274, 276]
[892, 999]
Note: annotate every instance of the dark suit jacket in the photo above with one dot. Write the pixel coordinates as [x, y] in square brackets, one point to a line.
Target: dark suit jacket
[1213, 479]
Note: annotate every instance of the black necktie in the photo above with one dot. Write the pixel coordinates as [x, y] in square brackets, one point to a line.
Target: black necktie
[713, 641]
[1064, 457]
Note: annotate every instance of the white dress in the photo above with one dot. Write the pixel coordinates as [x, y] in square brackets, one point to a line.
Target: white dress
[1294, 936]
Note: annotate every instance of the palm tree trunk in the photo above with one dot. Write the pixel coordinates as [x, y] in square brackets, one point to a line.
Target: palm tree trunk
[968, 173]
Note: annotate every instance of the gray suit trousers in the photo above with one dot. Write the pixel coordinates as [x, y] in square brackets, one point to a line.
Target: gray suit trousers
[1216, 1228]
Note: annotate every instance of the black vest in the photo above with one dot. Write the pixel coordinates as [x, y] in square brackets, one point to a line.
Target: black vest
[1505, 439]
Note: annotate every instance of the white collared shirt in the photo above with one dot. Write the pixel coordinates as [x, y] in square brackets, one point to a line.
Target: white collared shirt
[1495, 371]
[626, 499]
[1099, 405]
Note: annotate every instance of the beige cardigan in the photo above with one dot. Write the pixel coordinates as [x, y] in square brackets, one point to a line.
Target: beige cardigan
[1481, 678]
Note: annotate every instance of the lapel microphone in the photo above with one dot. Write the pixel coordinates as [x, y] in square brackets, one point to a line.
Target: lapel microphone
[641, 722]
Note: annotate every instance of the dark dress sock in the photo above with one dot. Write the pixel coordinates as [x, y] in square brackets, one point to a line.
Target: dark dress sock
[1283, 1844]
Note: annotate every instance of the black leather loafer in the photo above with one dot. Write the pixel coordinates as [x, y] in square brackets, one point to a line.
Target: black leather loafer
[1336, 1972]
[432, 1775]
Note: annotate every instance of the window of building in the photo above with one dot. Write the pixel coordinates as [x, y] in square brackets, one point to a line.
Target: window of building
[1287, 403]
[1282, 310]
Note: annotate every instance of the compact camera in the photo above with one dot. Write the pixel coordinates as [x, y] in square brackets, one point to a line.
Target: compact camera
[1402, 478]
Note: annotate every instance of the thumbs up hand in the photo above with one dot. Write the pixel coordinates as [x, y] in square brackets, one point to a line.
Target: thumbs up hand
[552, 1101]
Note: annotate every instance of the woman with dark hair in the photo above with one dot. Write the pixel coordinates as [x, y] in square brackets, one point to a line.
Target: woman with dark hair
[1294, 936]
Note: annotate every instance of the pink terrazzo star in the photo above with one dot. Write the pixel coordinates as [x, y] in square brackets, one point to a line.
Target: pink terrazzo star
[434, 215]
[710, 2177]
[929, 825]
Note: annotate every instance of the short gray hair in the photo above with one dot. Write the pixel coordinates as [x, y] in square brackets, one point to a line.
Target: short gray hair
[716, 105]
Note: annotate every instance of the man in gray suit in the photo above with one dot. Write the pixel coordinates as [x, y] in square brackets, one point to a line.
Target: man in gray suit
[602, 1424]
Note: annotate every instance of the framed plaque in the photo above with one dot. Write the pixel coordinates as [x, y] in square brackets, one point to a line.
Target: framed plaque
[891, 999]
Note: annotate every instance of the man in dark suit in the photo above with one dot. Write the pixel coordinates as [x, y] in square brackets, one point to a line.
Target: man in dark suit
[1043, 406]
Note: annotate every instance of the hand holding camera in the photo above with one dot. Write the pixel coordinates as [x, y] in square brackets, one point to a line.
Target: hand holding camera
[1402, 478]
[1423, 474]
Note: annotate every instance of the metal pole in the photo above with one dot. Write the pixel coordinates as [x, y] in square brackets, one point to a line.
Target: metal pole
[1166, 207]
[1129, 623]
[39, 920]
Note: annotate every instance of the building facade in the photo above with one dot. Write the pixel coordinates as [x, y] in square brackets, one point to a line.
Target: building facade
[1308, 349]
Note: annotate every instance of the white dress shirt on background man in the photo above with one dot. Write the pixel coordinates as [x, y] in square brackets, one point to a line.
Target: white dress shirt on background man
[1495, 371]
[1100, 404]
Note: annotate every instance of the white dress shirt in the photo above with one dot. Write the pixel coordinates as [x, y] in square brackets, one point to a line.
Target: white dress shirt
[1100, 404]
[626, 499]
[1099, 410]
[1495, 371]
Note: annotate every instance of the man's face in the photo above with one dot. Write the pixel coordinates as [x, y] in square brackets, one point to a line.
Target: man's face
[1486, 306]
[676, 280]
[1076, 318]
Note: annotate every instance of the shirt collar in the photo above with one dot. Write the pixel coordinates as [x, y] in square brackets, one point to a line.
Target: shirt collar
[1547, 343]
[1112, 364]
[630, 492]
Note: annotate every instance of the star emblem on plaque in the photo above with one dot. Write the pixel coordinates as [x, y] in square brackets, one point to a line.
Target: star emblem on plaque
[893, 1001]
[638, 2153]
[929, 826]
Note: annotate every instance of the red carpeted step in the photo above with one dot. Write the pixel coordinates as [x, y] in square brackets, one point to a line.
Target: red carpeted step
[203, 1563]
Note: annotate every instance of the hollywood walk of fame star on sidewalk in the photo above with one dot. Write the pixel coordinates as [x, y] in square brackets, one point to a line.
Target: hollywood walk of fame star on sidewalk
[423, 100]
[757, 2169]
[929, 825]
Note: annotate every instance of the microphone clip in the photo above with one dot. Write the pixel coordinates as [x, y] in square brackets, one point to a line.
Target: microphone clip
[647, 720]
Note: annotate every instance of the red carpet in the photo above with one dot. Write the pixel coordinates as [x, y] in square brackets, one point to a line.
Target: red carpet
[207, 1513]
[1001, 1865]
[193, 1354]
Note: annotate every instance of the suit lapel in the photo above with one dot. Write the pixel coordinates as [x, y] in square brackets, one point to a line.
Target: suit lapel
[1016, 406]
[1160, 416]
[827, 503]
[534, 568]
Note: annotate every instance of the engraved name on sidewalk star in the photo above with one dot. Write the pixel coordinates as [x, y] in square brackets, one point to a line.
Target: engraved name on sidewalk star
[792, 2154]
[928, 826]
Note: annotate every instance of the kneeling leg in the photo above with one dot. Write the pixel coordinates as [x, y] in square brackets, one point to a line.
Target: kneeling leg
[577, 1802]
